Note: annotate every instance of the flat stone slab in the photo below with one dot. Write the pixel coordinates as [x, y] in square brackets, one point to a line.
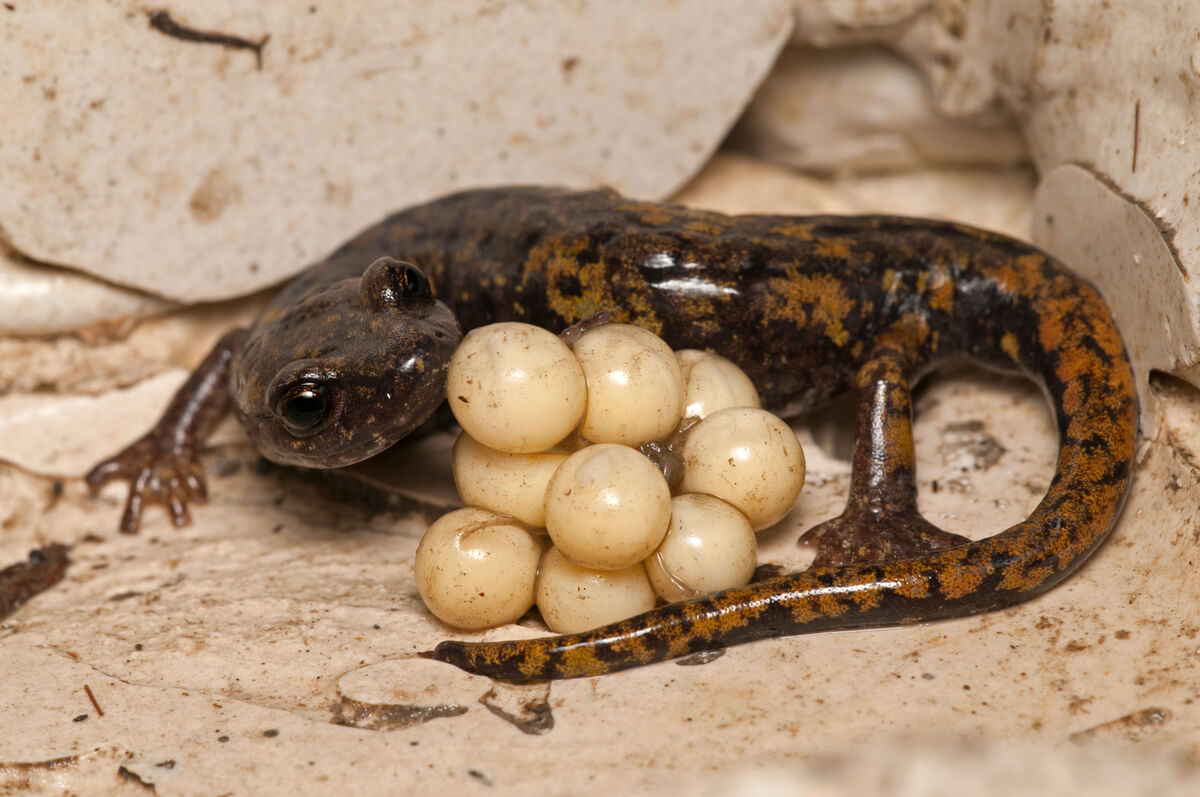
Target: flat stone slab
[271, 646]
[1114, 139]
[200, 168]
[866, 109]
[38, 300]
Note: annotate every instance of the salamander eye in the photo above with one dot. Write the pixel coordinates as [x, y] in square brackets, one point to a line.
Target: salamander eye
[392, 283]
[304, 407]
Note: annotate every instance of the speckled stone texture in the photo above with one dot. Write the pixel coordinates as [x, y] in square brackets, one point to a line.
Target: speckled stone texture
[801, 116]
[43, 300]
[206, 169]
[1107, 98]
[271, 645]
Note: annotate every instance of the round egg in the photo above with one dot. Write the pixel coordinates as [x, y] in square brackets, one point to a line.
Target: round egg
[713, 383]
[634, 385]
[747, 457]
[476, 569]
[511, 484]
[607, 507]
[573, 598]
[515, 387]
[709, 547]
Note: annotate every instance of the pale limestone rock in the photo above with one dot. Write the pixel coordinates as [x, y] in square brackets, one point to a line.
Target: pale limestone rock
[865, 109]
[69, 401]
[193, 171]
[231, 648]
[59, 435]
[412, 682]
[734, 183]
[62, 435]
[1111, 89]
[45, 300]
[92, 360]
[985, 768]
[835, 22]
[996, 200]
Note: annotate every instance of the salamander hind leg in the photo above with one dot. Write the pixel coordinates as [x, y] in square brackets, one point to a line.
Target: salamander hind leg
[881, 522]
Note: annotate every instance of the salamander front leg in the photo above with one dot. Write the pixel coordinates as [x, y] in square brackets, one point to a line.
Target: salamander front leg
[163, 465]
[881, 522]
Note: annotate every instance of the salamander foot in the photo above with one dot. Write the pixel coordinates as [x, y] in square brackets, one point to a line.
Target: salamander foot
[157, 472]
[867, 538]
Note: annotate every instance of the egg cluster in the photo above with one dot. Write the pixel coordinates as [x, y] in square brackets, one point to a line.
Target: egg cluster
[586, 443]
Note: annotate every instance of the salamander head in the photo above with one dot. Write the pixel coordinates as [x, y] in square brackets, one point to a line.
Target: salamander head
[347, 369]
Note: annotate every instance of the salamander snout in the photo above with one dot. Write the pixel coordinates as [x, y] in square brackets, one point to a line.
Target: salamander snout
[349, 370]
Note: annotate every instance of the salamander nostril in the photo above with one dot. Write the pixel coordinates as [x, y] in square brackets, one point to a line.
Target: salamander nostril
[411, 281]
[394, 283]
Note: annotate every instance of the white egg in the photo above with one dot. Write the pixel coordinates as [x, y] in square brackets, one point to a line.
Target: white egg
[713, 383]
[476, 569]
[573, 598]
[747, 457]
[511, 484]
[634, 385]
[515, 387]
[607, 507]
[709, 547]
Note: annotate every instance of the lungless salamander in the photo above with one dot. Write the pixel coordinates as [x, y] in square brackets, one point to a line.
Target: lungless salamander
[351, 357]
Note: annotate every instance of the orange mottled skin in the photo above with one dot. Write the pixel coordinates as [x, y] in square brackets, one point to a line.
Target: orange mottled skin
[808, 307]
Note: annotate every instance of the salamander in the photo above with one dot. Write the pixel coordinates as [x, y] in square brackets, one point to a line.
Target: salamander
[351, 357]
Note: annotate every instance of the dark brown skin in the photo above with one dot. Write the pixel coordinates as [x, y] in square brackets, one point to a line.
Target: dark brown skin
[21, 581]
[808, 307]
